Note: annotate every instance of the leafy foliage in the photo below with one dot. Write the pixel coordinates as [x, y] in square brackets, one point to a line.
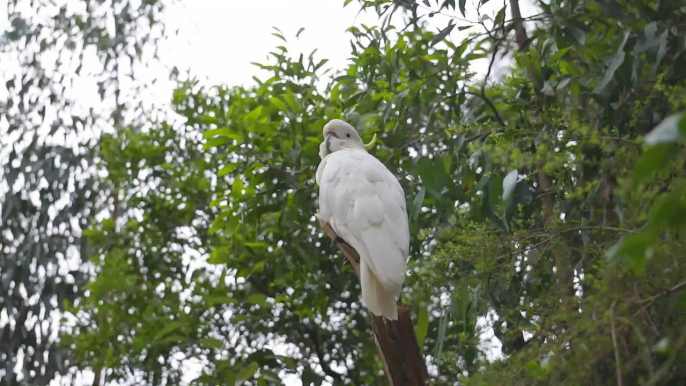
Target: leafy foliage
[48, 192]
[547, 207]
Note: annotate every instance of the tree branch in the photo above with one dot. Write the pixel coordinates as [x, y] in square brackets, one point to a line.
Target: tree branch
[520, 31]
[490, 105]
[663, 293]
[314, 333]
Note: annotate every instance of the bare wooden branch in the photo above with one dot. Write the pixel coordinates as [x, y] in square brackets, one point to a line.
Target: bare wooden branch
[395, 340]
[520, 31]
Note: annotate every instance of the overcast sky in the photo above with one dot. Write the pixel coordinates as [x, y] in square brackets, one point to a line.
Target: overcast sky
[218, 39]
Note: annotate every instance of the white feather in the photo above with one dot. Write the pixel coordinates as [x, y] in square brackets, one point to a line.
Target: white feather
[365, 204]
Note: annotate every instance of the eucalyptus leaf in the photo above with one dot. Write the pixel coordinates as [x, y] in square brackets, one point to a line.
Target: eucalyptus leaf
[668, 131]
[509, 184]
[443, 33]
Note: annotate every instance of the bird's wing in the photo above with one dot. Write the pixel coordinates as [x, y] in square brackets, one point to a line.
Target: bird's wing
[365, 205]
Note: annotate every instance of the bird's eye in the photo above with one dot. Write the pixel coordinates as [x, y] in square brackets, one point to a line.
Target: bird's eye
[348, 135]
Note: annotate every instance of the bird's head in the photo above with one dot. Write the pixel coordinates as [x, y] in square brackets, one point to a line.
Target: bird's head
[339, 135]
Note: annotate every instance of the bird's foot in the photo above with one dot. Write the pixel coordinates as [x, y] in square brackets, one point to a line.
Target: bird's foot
[337, 240]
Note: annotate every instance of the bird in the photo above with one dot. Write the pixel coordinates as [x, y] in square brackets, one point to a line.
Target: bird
[365, 205]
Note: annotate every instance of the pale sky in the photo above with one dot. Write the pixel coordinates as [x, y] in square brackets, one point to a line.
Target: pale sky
[218, 39]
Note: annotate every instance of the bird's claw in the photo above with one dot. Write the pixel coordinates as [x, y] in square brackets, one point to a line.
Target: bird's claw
[337, 240]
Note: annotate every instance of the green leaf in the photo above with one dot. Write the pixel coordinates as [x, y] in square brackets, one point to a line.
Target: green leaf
[559, 54]
[432, 175]
[649, 30]
[578, 34]
[611, 9]
[291, 101]
[226, 169]
[253, 116]
[459, 306]
[246, 373]
[278, 103]
[443, 34]
[669, 210]
[462, 4]
[637, 249]
[258, 299]
[480, 185]
[668, 131]
[224, 132]
[278, 35]
[218, 256]
[661, 51]
[422, 325]
[208, 119]
[256, 245]
[321, 63]
[447, 163]
[270, 376]
[442, 327]
[169, 328]
[495, 193]
[654, 159]
[258, 267]
[509, 184]
[459, 142]
[534, 369]
[309, 377]
[289, 362]
[216, 141]
[417, 204]
[500, 16]
[610, 72]
[211, 343]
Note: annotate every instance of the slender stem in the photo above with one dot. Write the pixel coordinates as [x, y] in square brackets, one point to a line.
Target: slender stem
[618, 364]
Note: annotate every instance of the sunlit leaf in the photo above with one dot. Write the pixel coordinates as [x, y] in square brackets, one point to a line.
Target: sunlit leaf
[667, 131]
[509, 184]
[422, 325]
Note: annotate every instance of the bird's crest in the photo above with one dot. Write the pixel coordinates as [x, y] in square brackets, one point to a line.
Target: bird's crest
[370, 145]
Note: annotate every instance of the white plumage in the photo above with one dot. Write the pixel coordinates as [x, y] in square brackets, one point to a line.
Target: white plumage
[365, 204]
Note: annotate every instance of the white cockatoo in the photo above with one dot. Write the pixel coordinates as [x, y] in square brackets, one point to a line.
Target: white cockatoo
[365, 205]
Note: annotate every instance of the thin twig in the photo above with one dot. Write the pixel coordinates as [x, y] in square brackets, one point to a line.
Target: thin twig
[663, 293]
[547, 239]
[314, 335]
[618, 364]
[559, 233]
[433, 109]
[490, 105]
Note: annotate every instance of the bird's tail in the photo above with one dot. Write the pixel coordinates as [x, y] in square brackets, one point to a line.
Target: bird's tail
[375, 297]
